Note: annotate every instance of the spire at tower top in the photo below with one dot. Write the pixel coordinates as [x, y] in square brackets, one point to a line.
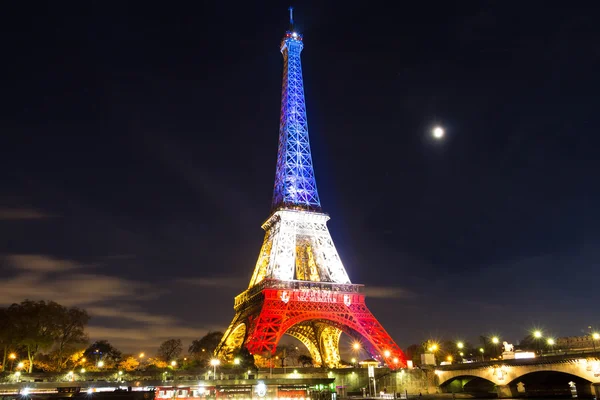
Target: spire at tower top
[291, 18]
[295, 185]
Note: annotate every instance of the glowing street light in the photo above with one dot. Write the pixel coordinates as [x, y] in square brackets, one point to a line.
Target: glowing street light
[387, 353]
[482, 351]
[20, 365]
[100, 364]
[142, 355]
[595, 336]
[438, 132]
[495, 340]
[449, 358]
[173, 363]
[356, 346]
[214, 362]
[537, 335]
[12, 357]
[236, 361]
[433, 347]
[82, 370]
[460, 345]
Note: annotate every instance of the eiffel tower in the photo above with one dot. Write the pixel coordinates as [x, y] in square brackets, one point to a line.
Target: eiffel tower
[299, 286]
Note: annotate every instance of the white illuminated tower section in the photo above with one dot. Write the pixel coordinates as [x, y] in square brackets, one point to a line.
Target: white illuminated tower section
[299, 286]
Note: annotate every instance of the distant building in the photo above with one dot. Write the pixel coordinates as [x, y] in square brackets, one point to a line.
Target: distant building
[576, 343]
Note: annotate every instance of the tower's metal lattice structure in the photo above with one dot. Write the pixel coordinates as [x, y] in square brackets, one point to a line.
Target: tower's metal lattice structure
[299, 286]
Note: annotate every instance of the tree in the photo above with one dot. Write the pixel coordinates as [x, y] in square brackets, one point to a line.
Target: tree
[305, 360]
[7, 335]
[170, 349]
[129, 363]
[285, 352]
[102, 350]
[413, 352]
[202, 350]
[34, 326]
[246, 359]
[70, 326]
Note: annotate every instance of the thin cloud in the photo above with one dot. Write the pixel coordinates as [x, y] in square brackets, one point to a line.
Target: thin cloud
[15, 214]
[64, 282]
[39, 263]
[131, 315]
[42, 277]
[140, 338]
[229, 283]
[387, 292]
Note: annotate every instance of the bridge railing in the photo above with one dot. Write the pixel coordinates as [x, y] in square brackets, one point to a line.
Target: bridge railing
[545, 359]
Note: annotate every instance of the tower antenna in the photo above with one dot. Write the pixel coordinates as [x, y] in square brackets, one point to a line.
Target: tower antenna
[291, 18]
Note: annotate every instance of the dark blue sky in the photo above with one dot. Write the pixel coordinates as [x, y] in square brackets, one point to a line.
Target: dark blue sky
[139, 144]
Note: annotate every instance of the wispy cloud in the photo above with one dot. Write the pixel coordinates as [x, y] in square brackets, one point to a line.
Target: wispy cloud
[11, 214]
[39, 263]
[388, 292]
[42, 277]
[131, 315]
[221, 282]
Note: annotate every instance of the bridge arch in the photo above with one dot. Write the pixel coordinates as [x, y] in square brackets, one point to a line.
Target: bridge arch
[582, 372]
[550, 382]
[468, 384]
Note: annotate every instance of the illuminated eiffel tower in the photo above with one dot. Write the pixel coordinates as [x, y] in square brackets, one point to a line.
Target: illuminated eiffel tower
[299, 286]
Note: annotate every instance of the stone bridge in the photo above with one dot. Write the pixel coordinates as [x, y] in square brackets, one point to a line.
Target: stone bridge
[518, 378]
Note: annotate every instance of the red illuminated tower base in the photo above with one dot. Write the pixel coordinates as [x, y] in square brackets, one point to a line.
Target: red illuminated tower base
[316, 313]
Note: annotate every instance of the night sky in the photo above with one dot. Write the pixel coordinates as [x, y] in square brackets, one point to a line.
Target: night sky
[139, 140]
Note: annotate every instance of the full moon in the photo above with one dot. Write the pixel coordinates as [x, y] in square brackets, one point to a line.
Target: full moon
[438, 132]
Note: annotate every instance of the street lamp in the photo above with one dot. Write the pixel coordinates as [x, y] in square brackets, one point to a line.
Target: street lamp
[142, 355]
[214, 362]
[495, 341]
[100, 364]
[236, 361]
[12, 357]
[173, 363]
[20, 365]
[482, 353]
[537, 335]
[595, 336]
[356, 346]
[460, 345]
[550, 342]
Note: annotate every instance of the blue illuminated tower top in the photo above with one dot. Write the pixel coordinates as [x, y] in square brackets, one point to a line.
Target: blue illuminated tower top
[295, 185]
